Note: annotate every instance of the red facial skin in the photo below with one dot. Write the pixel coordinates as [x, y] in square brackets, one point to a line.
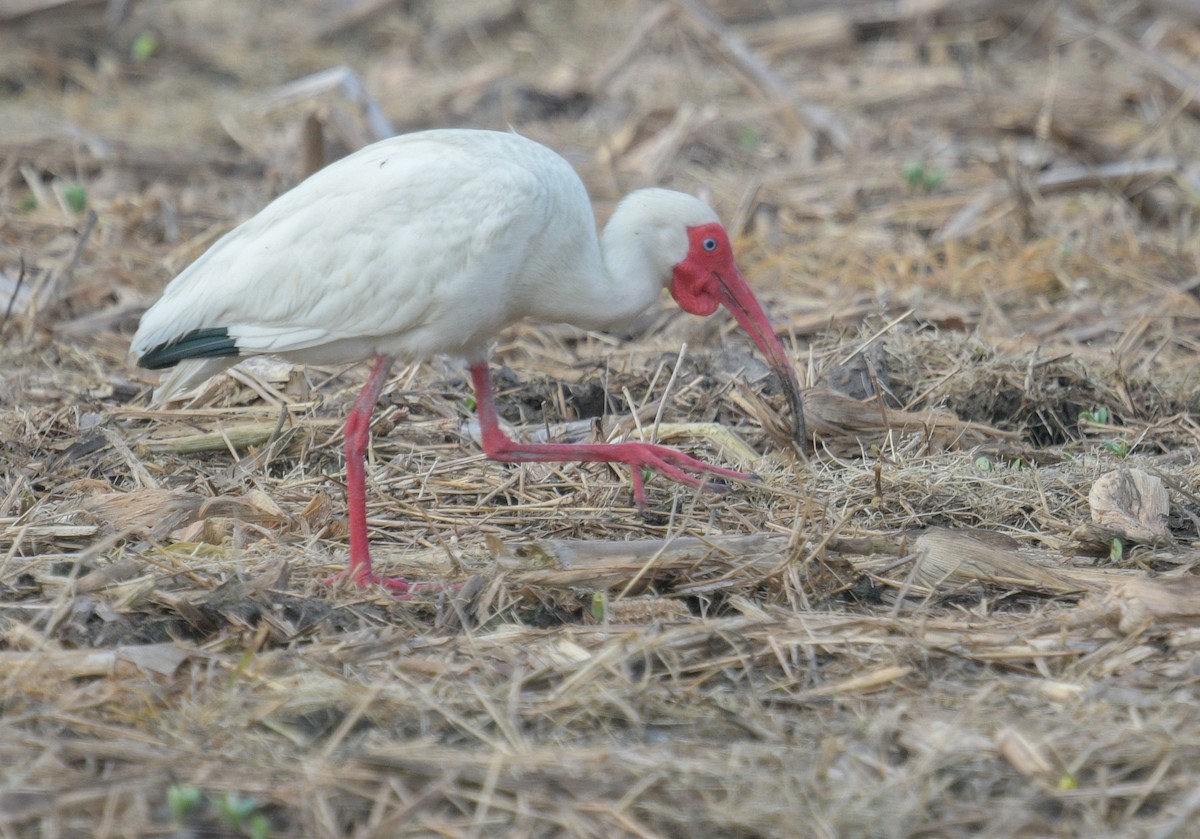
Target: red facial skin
[707, 278]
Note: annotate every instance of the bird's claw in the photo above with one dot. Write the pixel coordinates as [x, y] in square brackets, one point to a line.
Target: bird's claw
[364, 579]
[671, 464]
[398, 587]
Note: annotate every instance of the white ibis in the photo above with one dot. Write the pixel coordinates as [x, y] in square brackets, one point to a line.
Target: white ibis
[431, 243]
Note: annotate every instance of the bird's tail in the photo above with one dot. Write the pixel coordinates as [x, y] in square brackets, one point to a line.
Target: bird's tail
[189, 373]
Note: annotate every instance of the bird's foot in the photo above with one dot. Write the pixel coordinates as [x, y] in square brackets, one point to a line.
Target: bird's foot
[675, 465]
[398, 587]
[362, 578]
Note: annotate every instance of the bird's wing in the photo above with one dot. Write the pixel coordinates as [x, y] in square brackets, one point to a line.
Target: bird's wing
[416, 237]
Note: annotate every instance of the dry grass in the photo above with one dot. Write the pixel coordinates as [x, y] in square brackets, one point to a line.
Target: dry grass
[977, 227]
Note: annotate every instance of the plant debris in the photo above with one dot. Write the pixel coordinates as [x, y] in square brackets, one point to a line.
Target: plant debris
[970, 611]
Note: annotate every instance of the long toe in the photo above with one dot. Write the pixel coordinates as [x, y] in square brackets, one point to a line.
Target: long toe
[396, 585]
[676, 466]
[684, 461]
[730, 474]
[402, 589]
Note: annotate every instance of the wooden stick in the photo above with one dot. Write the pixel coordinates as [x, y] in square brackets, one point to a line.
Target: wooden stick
[567, 562]
[57, 283]
[124, 660]
[1061, 179]
[239, 436]
[342, 79]
[639, 33]
[1178, 79]
[818, 119]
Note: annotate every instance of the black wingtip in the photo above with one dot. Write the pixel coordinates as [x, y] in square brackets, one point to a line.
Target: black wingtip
[199, 343]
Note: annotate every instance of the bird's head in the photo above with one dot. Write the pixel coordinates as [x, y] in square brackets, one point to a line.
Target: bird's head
[684, 233]
[697, 280]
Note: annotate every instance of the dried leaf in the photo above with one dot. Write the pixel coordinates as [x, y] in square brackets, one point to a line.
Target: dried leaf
[1023, 755]
[961, 557]
[1138, 603]
[1133, 503]
[647, 610]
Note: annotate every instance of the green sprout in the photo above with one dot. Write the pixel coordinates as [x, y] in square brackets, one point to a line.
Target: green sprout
[1120, 448]
[748, 138]
[144, 46]
[241, 813]
[600, 606]
[918, 177]
[247, 658]
[1116, 549]
[182, 800]
[1097, 415]
[76, 197]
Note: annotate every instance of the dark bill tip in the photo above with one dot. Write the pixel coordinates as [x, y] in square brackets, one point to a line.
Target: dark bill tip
[735, 294]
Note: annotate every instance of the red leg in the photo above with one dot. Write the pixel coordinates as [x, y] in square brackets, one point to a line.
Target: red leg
[358, 436]
[637, 456]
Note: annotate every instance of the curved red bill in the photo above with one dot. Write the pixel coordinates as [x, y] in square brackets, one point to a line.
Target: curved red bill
[736, 296]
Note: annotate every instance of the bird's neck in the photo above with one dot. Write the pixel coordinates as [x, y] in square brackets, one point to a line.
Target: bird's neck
[630, 282]
[610, 282]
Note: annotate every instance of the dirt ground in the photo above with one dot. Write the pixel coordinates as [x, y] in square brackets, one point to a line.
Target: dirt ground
[973, 610]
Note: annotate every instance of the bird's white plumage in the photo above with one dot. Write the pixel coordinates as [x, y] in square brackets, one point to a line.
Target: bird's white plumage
[422, 244]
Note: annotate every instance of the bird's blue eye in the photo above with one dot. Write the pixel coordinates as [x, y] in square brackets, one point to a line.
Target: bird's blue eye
[710, 244]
